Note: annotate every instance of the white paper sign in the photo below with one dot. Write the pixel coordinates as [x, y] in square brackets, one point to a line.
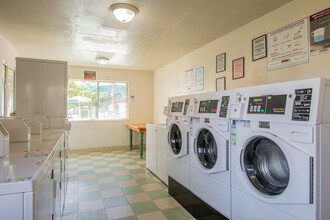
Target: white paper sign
[288, 45]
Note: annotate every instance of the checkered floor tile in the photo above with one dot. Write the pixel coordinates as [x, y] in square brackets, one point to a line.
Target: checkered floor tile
[116, 185]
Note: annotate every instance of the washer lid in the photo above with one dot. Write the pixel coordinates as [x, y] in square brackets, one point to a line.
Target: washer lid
[266, 166]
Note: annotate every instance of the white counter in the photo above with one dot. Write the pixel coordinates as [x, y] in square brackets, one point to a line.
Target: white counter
[23, 169]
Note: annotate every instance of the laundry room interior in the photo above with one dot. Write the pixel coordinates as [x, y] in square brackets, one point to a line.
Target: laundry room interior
[172, 109]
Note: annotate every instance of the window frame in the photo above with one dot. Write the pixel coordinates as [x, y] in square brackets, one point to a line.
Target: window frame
[97, 102]
[4, 101]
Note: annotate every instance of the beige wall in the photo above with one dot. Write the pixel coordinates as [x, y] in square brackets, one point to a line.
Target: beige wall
[93, 133]
[237, 44]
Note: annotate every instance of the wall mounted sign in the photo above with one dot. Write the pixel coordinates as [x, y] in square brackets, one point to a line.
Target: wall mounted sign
[238, 68]
[220, 84]
[188, 81]
[320, 32]
[221, 62]
[259, 47]
[90, 75]
[199, 78]
[288, 45]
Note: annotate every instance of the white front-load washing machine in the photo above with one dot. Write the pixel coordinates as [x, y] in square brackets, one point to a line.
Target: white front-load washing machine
[210, 152]
[178, 125]
[279, 151]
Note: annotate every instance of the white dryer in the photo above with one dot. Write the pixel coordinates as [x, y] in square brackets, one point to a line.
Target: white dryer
[210, 152]
[178, 125]
[279, 151]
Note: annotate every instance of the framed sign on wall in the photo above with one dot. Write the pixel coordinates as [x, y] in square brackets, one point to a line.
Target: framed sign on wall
[221, 62]
[238, 68]
[220, 84]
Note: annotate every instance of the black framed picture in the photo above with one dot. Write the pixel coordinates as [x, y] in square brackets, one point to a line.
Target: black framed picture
[220, 84]
[221, 62]
[238, 68]
[259, 47]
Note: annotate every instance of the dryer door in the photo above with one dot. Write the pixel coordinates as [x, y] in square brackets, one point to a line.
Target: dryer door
[177, 140]
[266, 166]
[276, 171]
[211, 150]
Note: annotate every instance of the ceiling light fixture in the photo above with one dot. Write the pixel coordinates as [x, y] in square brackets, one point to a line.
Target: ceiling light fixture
[124, 12]
[102, 60]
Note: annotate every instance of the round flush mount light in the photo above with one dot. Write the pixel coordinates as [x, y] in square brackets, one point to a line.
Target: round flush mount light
[124, 12]
[102, 60]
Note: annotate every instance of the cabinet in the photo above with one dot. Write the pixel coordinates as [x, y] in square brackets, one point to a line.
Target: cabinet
[33, 180]
[41, 87]
[156, 150]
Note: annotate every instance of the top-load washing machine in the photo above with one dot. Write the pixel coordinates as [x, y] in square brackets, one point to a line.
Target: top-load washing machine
[280, 154]
[210, 152]
[178, 125]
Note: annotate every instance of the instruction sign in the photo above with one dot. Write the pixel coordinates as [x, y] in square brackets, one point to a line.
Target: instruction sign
[288, 45]
[320, 32]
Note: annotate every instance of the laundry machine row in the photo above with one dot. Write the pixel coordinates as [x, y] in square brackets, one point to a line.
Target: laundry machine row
[257, 152]
[198, 158]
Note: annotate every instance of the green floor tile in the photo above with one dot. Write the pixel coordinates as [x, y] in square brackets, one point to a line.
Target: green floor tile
[106, 174]
[90, 196]
[117, 168]
[137, 171]
[128, 163]
[144, 207]
[113, 161]
[73, 169]
[128, 218]
[124, 177]
[132, 190]
[93, 215]
[178, 213]
[98, 160]
[85, 172]
[114, 202]
[85, 164]
[89, 182]
[143, 181]
[111, 185]
[101, 166]
[158, 194]
[70, 209]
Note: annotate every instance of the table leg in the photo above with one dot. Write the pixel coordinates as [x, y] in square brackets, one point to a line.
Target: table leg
[131, 138]
[141, 144]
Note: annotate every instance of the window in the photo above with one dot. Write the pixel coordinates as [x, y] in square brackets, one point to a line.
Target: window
[97, 100]
[7, 90]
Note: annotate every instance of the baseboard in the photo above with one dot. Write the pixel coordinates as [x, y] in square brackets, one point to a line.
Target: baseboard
[194, 205]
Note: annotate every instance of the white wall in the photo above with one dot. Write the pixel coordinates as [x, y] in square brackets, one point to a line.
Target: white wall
[93, 133]
[238, 44]
[7, 56]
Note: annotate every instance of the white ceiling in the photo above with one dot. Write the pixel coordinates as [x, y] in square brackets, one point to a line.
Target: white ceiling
[164, 30]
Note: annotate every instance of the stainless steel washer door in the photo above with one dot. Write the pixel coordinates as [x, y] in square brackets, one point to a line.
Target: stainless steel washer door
[266, 166]
[175, 139]
[206, 149]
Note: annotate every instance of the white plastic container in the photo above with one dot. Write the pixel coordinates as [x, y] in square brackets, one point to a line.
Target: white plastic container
[17, 128]
[44, 121]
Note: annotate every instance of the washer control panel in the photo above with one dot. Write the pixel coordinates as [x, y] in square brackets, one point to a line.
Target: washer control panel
[270, 104]
[208, 106]
[177, 107]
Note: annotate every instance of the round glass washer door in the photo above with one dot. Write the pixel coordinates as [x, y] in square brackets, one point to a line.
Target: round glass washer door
[175, 139]
[266, 166]
[206, 149]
